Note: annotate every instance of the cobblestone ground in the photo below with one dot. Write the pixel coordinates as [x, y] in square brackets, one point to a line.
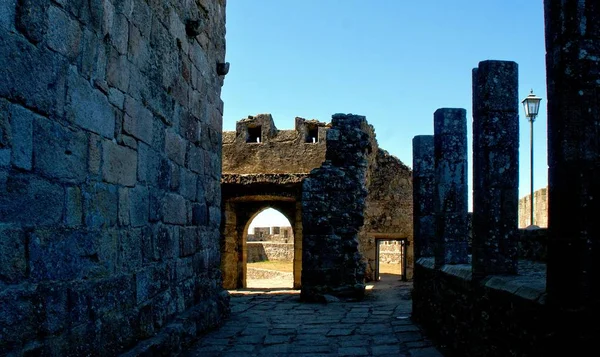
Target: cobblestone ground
[273, 322]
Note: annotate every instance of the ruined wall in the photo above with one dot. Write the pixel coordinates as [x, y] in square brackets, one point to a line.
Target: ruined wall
[333, 205]
[279, 151]
[261, 251]
[388, 210]
[540, 209]
[110, 134]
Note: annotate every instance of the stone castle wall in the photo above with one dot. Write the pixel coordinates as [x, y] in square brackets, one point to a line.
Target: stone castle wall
[388, 210]
[110, 135]
[279, 151]
[540, 209]
[261, 251]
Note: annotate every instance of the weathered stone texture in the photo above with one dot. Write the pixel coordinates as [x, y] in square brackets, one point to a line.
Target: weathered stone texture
[495, 168]
[279, 151]
[450, 190]
[423, 191]
[540, 209]
[388, 209]
[333, 205]
[107, 243]
[572, 62]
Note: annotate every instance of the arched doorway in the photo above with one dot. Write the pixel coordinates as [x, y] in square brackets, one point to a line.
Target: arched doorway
[238, 213]
[270, 251]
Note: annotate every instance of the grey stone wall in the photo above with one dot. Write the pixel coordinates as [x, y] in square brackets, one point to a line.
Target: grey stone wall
[333, 205]
[110, 135]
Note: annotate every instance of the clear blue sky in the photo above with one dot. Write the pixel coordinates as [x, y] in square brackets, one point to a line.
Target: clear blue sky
[394, 61]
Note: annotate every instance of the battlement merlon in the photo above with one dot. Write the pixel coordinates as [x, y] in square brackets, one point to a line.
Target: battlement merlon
[261, 129]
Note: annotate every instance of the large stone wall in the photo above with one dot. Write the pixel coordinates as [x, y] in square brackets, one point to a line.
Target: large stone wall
[272, 251]
[540, 209]
[110, 136]
[279, 151]
[388, 209]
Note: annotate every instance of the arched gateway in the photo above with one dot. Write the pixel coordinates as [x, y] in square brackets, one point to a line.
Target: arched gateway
[267, 168]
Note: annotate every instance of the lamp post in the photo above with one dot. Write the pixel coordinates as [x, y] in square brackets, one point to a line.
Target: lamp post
[532, 106]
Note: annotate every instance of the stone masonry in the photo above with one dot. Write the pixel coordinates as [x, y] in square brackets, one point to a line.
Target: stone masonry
[540, 209]
[495, 168]
[266, 167]
[110, 160]
[333, 202]
[450, 189]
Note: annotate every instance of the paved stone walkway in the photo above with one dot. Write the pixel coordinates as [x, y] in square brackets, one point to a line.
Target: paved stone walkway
[276, 323]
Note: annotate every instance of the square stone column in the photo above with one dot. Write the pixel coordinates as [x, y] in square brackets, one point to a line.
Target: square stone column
[573, 77]
[423, 187]
[495, 168]
[450, 189]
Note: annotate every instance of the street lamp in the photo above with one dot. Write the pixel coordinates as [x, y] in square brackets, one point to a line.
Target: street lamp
[532, 107]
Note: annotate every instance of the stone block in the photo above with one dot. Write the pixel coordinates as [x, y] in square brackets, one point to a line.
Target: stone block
[188, 185]
[187, 241]
[174, 209]
[100, 205]
[31, 76]
[167, 241]
[74, 206]
[199, 214]
[64, 34]
[497, 85]
[64, 255]
[7, 14]
[32, 19]
[88, 107]
[119, 33]
[54, 304]
[139, 50]
[195, 159]
[175, 147]
[30, 201]
[114, 293]
[59, 153]
[94, 154]
[13, 259]
[124, 208]
[5, 155]
[139, 206]
[117, 70]
[22, 136]
[130, 250]
[141, 17]
[138, 121]
[151, 281]
[19, 316]
[116, 98]
[119, 164]
[155, 205]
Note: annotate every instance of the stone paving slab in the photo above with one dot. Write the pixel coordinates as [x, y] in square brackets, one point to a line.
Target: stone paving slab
[276, 323]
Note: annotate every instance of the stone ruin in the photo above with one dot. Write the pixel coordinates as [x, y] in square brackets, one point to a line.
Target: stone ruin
[339, 191]
[118, 232]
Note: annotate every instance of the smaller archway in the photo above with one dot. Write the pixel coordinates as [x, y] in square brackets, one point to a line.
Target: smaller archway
[269, 250]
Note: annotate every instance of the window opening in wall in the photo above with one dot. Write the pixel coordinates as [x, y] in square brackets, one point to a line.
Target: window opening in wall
[270, 254]
[391, 259]
[312, 135]
[254, 135]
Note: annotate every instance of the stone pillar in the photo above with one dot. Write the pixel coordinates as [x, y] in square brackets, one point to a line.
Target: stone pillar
[450, 190]
[495, 168]
[572, 63]
[423, 187]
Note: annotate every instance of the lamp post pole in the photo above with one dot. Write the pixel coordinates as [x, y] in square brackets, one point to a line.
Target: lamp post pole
[532, 106]
[531, 161]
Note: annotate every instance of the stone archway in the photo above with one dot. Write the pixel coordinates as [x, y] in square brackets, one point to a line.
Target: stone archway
[240, 205]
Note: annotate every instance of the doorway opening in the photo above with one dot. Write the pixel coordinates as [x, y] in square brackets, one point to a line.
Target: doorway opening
[270, 251]
[391, 258]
